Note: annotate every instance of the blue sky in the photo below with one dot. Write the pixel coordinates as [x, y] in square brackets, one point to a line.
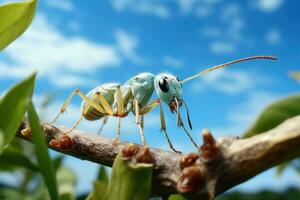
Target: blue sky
[82, 44]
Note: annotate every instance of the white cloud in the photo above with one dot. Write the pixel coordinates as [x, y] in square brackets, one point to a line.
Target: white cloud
[221, 47]
[229, 82]
[204, 11]
[269, 5]
[172, 61]
[70, 80]
[64, 5]
[44, 48]
[229, 35]
[247, 111]
[230, 11]
[231, 16]
[186, 5]
[273, 37]
[59, 58]
[74, 26]
[12, 71]
[127, 45]
[142, 7]
[242, 116]
[232, 81]
[211, 32]
[199, 8]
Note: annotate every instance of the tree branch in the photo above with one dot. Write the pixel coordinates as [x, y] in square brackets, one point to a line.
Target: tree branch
[217, 167]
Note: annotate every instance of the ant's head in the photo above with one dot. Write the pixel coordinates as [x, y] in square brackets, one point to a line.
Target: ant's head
[169, 90]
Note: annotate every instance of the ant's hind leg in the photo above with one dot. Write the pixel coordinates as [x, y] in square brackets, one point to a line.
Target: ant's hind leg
[116, 141]
[85, 111]
[85, 98]
[105, 119]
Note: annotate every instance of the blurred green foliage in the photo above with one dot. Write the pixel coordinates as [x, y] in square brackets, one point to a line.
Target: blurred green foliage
[15, 19]
[13, 107]
[129, 181]
[289, 194]
[275, 114]
[43, 158]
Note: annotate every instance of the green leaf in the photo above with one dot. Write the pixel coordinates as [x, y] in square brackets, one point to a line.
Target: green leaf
[66, 180]
[40, 193]
[1, 140]
[275, 114]
[13, 107]
[99, 191]
[99, 186]
[16, 158]
[57, 162]
[129, 181]
[176, 197]
[9, 193]
[102, 174]
[14, 20]
[90, 196]
[42, 155]
[280, 168]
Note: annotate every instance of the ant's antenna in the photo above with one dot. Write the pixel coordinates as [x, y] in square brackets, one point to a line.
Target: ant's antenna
[227, 64]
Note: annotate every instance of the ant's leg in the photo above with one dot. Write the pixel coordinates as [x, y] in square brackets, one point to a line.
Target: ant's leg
[142, 121]
[180, 122]
[105, 104]
[86, 99]
[138, 121]
[119, 132]
[120, 102]
[105, 118]
[120, 112]
[163, 128]
[85, 111]
[149, 107]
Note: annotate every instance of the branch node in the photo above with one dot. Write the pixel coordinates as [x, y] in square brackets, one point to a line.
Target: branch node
[145, 156]
[135, 153]
[129, 151]
[188, 160]
[65, 143]
[210, 149]
[190, 179]
[26, 132]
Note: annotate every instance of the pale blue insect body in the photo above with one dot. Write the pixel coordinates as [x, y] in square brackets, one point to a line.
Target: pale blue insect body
[139, 88]
[113, 99]
[142, 87]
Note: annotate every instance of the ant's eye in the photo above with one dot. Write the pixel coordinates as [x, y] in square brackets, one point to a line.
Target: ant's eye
[163, 85]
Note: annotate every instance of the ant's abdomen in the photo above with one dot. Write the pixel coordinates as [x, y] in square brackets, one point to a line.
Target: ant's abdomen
[107, 90]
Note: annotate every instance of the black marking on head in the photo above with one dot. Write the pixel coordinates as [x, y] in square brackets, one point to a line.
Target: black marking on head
[163, 85]
[179, 82]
